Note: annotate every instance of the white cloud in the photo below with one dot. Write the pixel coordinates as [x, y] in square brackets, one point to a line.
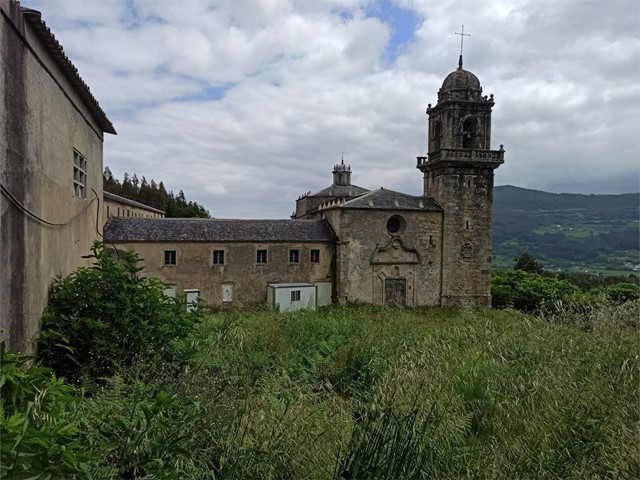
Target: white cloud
[305, 81]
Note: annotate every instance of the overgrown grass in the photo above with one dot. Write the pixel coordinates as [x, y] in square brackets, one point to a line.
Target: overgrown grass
[361, 392]
[370, 392]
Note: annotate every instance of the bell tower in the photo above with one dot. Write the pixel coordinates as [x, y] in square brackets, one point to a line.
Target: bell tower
[458, 174]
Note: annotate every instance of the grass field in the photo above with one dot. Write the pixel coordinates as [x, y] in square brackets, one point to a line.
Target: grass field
[380, 393]
[345, 393]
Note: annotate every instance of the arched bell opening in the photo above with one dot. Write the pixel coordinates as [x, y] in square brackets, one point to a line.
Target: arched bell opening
[469, 133]
[437, 134]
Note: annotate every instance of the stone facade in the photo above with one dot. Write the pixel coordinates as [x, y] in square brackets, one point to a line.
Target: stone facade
[372, 256]
[386, 247]
[458, 174]
[51, 135]
[222, 257]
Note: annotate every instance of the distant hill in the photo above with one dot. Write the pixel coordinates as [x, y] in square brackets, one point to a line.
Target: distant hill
[567, 231]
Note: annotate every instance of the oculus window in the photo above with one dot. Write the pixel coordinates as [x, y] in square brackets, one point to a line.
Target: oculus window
[396, 225]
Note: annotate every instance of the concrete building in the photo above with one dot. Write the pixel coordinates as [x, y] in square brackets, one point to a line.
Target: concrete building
[117, 206]
[375, 246]
[51, 136]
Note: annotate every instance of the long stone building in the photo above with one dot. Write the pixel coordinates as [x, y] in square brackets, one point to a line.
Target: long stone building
[353, 244]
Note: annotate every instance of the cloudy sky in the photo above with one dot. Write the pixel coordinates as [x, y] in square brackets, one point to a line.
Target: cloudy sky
[245, 105]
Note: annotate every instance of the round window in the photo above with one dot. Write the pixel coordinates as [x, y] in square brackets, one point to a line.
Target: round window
[395, 225]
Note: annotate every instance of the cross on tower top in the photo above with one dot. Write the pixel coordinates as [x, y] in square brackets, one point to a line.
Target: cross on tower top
[462, 35]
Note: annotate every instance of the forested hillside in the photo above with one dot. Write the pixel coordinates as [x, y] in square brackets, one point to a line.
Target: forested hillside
[595, 233]
[153, 194]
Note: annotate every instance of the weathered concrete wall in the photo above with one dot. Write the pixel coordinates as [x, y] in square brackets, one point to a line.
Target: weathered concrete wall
[42, 121]
[194, 267]
[367, 254]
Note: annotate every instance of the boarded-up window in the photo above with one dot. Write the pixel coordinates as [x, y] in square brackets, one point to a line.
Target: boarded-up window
[227, 292]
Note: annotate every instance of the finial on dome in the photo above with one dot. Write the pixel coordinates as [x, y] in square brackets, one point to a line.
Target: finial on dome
[462, 35]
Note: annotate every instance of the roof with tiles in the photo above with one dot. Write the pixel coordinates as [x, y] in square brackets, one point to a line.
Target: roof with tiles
[119, 229]
[48, 39]
[340, 191]
[383, 199]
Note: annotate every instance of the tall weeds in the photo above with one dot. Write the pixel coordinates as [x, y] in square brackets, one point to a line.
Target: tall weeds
[375, 393]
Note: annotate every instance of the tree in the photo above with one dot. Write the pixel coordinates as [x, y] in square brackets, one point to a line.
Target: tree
[154, 195]
[110, 183]
[527, 263]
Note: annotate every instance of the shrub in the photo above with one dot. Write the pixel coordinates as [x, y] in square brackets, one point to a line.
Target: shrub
[618, 293]
[105, 316]
[529, 291]
[140, 431]
[39, 431]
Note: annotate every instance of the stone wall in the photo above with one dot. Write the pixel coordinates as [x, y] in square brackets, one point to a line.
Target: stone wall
[467, 197]
[367, 254]
[195, 269]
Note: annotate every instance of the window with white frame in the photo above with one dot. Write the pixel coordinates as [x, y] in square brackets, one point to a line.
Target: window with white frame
[294, 256]
[314, 256]
[218, 257]
[79, 175]
[295, 295]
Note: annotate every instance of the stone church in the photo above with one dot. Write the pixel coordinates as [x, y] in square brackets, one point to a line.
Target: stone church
[348, 243]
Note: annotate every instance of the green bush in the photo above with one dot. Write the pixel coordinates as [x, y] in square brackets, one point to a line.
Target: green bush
[38, 428]
[618, 293]
[106, 316]
[529, 291]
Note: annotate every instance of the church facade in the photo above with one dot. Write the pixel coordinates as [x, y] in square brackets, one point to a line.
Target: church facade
[353, 244]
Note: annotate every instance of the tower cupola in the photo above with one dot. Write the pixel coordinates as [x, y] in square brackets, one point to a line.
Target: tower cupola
[460, 85]
[342, 174]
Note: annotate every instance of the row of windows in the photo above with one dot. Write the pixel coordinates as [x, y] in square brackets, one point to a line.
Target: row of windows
[126, 212]
[262, 256]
